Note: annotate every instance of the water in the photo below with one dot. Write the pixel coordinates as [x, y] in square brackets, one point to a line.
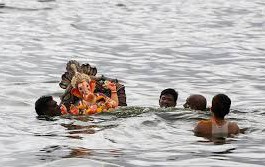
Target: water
[194, 46]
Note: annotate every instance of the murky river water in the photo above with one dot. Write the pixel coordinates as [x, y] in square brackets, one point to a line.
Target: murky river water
[194, 46]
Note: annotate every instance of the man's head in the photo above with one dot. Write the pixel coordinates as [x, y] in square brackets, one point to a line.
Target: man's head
[196, 102]
[220, 105]
[168, 98]
[45, 105]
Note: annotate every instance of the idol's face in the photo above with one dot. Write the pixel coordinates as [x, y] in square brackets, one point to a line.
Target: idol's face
[84, 88]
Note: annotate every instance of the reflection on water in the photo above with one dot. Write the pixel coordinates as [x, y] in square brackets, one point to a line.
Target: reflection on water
[218, 140]
[56, 152]
[204, 47]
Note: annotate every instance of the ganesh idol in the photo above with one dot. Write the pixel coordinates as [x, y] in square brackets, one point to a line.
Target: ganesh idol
[80, 97]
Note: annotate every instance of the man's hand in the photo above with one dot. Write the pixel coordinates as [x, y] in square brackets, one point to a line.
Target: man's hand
[110, 85]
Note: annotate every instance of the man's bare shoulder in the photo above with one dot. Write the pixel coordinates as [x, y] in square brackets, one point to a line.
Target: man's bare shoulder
[203, 128]
[233, 128]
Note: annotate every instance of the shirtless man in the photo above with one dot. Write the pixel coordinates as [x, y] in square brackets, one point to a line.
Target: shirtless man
[218, 126]
[168, 98]
[196, 102]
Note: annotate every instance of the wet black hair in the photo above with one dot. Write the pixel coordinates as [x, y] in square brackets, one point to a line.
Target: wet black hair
[221, 105]
[41, 104]
[171, 92]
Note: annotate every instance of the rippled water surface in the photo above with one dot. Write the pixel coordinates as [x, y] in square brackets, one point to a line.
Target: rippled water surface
[194, 46]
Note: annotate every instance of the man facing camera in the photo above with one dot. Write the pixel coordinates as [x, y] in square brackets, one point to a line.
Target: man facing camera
[168, 98]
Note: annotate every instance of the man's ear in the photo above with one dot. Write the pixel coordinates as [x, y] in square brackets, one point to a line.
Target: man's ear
[92, 85]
